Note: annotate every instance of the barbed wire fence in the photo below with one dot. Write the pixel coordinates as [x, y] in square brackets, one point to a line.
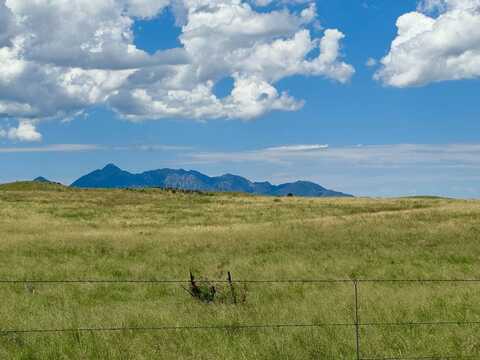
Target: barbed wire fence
[356, 324]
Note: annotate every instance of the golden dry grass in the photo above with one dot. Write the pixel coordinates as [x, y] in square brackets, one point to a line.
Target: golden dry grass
[52, 232]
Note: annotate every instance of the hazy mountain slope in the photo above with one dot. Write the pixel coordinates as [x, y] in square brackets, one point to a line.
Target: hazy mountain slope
[112, 176]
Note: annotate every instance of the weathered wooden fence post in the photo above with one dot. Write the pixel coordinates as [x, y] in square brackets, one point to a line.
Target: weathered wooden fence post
[232, 289]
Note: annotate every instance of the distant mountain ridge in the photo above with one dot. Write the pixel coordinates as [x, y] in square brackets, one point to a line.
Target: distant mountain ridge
[112, 176]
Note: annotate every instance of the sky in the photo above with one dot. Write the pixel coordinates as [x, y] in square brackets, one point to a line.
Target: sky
[369, 97]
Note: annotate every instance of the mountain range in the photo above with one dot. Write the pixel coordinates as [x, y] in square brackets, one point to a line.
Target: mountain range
[112, 176]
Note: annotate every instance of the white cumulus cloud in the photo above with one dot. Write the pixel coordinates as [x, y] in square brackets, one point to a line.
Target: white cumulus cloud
[440, 41]
[25, 131]
[229, 39]
[60, 57]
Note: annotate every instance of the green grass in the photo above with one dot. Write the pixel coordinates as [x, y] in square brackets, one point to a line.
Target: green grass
[53, 232]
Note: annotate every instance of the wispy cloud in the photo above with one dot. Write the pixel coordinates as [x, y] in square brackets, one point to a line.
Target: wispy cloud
[149, 148]
[52, 148]
[296, 148]
[90, 147]
[278, 154]
[358, 155]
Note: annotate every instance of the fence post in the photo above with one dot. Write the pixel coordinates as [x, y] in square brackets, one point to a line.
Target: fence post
[357, 321]
[232, 289]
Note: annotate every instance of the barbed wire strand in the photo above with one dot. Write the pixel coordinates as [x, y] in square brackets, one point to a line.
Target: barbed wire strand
[239, 327]
[301, 281]
[175, 328]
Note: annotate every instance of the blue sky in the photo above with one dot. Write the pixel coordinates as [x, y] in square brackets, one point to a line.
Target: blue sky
[386, 136]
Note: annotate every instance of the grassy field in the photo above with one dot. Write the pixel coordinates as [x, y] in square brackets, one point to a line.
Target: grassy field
[52, 232]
